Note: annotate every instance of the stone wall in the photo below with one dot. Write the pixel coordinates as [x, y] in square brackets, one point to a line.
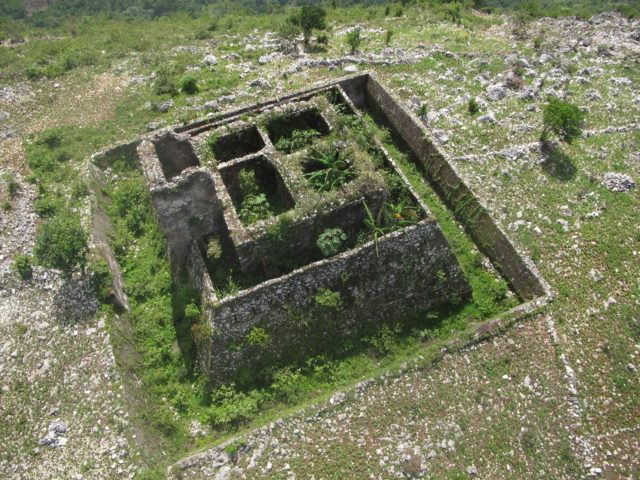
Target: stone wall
[187, 208]
[409, 271]
[487, 235]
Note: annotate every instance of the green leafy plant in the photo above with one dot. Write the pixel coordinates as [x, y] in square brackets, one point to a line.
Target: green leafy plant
[354, 40]
[288, 31]
[562, 118]
[384, 340]
[62, 244]
[327, 299]
[165, 83]
[331, 241]
[23, 266]
[297, 140]
[327, 170]
[399, 214]
[258, 337]
[255, 206]
[189, 84]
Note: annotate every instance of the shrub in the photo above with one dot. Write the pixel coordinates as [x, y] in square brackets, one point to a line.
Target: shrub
[388, 34]
[212, 140]
[473, 106]
[33, 72]
[562, 118]
[22, 265]
[6, 205]
[255, 205]
[354, 40]
[289, 385]
[62, 244]
[454, 12]
[322, 39]
[288, 31]
[537, 42]
[189, 84]
[258, 337]
[384, 341]
[255, 208]
[165, 83]
[231, 407]
[331, 241]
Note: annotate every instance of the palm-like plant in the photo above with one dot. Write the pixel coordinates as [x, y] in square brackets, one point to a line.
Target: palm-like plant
[328, 170]
[375, 224]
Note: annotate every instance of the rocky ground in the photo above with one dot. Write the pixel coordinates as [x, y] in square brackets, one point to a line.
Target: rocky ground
[556, 397]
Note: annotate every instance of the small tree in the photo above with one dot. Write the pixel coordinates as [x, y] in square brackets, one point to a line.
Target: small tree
[562, 118]
[354, 40]
[309, 17]
[62, 244]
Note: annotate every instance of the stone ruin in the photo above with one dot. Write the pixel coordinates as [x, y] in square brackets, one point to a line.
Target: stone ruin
[292, 300]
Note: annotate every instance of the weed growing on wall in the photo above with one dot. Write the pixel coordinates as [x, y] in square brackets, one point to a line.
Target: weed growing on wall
[331, 241]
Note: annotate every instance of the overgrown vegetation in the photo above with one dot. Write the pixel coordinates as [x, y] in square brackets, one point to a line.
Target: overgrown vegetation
[254, 206]
[297, 140]
[327, 169]
[62, 244]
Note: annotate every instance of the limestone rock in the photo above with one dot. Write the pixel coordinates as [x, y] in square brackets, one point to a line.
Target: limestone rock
[618, 182]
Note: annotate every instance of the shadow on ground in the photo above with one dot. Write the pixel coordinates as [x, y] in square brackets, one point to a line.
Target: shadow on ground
[74, 301]
[557, 163]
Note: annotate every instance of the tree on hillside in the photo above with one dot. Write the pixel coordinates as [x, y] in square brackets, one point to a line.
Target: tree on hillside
[12, 9]
[562, 118]
[308, 18]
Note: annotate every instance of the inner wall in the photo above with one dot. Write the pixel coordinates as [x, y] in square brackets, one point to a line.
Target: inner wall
[269, 181]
